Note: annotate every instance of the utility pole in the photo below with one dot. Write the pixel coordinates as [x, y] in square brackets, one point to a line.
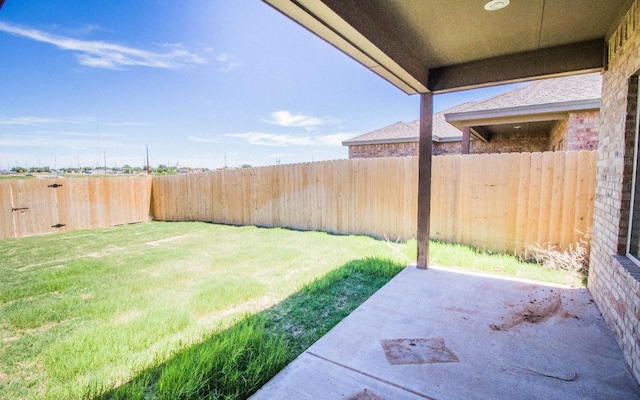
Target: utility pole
[148, 166]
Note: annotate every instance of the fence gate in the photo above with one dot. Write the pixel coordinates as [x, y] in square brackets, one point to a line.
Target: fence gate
[33, 206]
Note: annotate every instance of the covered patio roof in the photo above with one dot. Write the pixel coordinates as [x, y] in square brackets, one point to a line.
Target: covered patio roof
[440, 46]
[435, 46]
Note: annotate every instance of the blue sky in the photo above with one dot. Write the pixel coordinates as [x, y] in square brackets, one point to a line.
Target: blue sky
[198, 81]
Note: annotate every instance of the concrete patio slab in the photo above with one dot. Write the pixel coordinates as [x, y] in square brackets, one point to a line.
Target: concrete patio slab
[443, 334]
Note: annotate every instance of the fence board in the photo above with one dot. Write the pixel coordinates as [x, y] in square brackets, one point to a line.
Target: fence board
[497, 202]
[522, 201]
[80, 203]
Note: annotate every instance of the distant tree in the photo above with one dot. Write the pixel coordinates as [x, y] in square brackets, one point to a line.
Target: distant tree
[39, 169]
[18, 169]
[166, 170]
[127, 169]
[245, 166]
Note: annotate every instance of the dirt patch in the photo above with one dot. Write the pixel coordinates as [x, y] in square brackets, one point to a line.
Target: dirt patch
[537, 309]
[126, 317]
[461, 310]
[364, 395]
[417, 351]
[167, 240]
[246, 307]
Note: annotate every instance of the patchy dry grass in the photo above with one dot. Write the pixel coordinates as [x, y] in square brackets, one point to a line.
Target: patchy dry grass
[148, 310]
[90, 309]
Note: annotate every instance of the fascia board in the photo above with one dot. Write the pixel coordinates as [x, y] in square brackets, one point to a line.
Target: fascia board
[524, 112]
[380, 141]
[323, 22]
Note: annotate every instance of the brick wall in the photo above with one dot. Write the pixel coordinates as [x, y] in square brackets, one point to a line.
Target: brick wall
[384, 150]
[582, 130]
[512, 143]
[558, 136]
[578, 132]
[500, 143]
[614, 280]
[442, 148]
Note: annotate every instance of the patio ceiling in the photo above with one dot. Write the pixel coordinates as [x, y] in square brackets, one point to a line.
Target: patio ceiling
[440, 46]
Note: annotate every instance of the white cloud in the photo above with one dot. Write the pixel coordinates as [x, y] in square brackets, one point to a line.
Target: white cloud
[93, 135]
[270, 139]
[125, 124]
[285, 118]
[279, 155]
[45, 141]
[98, 54]
[336, 139]
[203, 140]
[34, 121]
[228, 62]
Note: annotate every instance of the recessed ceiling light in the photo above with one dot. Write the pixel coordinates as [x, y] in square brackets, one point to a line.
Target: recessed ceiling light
[495, 5]
[517, 127]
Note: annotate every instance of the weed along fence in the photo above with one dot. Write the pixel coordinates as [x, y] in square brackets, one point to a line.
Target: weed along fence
[496, 202]
[37, 206]
[505, 202]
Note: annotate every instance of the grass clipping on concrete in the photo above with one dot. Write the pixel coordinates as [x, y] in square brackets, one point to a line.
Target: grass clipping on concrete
[186, 310]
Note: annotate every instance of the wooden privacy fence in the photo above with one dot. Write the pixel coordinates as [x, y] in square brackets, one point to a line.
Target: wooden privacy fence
[37, 206]
[505, 202]
[496, 202]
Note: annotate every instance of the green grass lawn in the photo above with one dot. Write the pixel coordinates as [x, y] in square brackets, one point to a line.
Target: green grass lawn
[151, 310]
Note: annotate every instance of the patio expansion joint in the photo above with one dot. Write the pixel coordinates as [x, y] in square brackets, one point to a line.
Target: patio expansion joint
[386, 382]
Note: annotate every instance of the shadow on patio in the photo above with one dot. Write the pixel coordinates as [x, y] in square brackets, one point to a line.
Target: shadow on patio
[441, 334]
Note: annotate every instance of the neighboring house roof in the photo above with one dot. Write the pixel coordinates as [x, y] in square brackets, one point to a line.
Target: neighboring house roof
[400, 132]
[546, 91]
[404, 132]
[543, 100]
[548, 98]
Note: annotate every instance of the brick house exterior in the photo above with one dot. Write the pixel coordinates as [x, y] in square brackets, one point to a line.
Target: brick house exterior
[578, 132]
[504, 143]
[574, 126]
[614, 280]
[405, 149]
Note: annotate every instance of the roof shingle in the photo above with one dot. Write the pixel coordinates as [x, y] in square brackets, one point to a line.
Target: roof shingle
[542, 92]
